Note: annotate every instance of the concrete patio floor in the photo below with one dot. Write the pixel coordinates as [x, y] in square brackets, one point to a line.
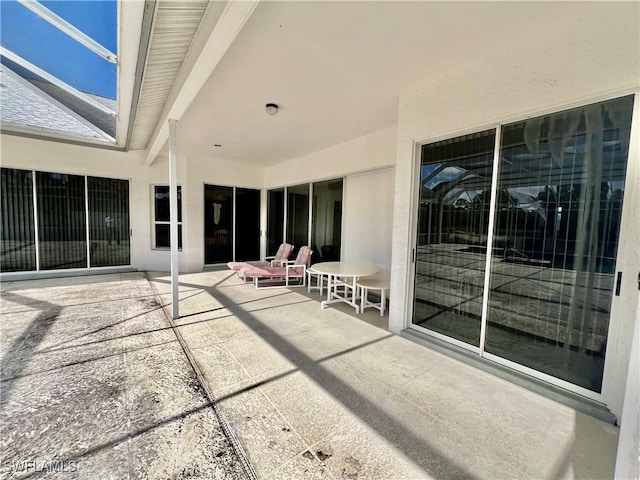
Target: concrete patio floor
[92, 372]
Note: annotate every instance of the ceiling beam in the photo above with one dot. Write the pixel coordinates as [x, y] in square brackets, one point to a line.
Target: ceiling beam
[215, 35]
[64, 26]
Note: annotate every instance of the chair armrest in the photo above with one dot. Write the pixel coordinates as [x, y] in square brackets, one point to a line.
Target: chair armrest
[278, 263]
[270, 257]
[304, 268]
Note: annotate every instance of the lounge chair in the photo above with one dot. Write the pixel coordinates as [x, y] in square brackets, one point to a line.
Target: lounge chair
[278, 260]
[293, 272]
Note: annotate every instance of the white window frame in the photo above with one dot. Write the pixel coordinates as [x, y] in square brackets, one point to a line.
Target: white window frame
[155, 222]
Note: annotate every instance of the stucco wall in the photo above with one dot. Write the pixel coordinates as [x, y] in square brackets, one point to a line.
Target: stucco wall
[369, 152]
[367, 218]
[592, 59]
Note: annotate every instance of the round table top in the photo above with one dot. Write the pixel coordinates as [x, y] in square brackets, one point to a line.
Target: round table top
[345, 269]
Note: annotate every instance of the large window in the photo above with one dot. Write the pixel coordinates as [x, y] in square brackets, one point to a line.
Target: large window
[544, 306]
[108, 221]
[298, 216]
[275, 220]
[289, 212]
[72, 221]
[62, 221]
[18, 250]
[161, 219]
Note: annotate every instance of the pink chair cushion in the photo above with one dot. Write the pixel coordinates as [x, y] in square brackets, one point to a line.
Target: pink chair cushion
[283, 253]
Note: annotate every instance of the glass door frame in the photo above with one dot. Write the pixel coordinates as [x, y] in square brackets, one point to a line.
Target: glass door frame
[413, 245]
[234, 189]
[36, 231]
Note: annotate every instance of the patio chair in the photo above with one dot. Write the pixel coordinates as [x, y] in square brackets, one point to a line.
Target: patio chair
[270, 277]
[278, 260]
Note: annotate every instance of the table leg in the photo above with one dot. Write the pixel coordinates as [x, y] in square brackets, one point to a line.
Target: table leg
[324, 304]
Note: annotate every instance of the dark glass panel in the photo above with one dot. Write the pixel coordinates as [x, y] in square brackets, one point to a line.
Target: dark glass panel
[108, 221]
[275, 220]
[561, 184]
[18, 250]
[453, 220]
[326, 227]
[298, 216]
[218, 224]
[162, 203]
[247, 224]
[62, 228]
[163, 235]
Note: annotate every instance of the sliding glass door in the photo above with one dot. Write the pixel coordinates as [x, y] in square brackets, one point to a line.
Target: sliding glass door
[326, 225]
[275, 220]
[298, 216]
[62, 221]
[231, 224]
[453, 221]
[552, 251]
[247, 234]
[324, 211]
[18, 234]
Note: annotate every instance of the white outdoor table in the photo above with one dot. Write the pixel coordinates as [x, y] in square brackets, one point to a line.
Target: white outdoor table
[349, 271]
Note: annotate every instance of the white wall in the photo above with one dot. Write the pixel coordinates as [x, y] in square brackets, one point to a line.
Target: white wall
[369, 152]
[367, 218]
[593, 59]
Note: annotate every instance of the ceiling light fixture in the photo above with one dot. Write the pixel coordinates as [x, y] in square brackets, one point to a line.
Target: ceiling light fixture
[271, 108]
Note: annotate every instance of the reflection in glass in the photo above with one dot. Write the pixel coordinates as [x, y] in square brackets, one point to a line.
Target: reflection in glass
[62, 228]
[560, 190]
[327, 221]
[161, 208]
[18, 250]
[453, 219]
[108, 221]
[298, 216]
[247, 224]
[275, 220]
[218, 224]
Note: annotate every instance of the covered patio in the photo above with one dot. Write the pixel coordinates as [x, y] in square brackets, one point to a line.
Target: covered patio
[260, 383]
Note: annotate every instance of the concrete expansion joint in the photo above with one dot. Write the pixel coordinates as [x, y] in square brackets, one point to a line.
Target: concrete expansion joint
[224, 424]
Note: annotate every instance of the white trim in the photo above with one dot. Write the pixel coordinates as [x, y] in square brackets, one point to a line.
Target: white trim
[173, 218]
[65, 27]
[622, 307]
[56, 81]
[497, 149]
[410, 279]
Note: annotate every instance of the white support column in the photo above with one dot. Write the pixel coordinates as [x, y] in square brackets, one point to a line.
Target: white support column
[173, 219]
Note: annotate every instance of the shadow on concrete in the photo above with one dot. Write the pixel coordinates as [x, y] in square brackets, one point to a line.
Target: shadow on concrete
[23, 347]
[430, 459]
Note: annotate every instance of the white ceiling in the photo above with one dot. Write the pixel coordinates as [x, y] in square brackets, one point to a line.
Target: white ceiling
[336, 69]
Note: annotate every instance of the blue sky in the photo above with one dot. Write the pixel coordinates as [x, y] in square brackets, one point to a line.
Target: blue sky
[37, 41]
